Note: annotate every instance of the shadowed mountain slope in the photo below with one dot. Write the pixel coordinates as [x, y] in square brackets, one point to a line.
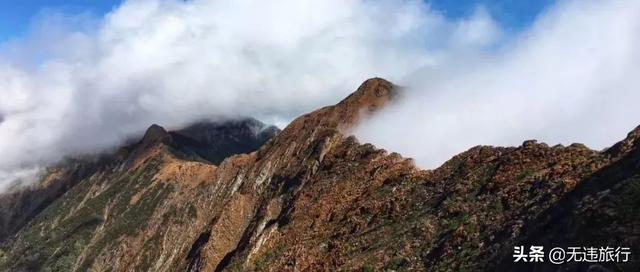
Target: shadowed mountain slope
[217, 141]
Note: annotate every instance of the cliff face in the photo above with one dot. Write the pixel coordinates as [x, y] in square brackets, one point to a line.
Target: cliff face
[313, 198]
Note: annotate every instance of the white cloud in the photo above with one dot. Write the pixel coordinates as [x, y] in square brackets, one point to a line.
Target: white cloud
[16, 178]
[78, 84]
[573, 77]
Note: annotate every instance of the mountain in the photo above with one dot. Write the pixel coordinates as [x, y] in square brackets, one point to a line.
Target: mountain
[207, 142]
[217, 141]
[312, 198]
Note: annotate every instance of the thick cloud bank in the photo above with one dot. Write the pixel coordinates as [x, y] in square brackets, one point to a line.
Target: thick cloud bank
[573, 77]
[78, 84]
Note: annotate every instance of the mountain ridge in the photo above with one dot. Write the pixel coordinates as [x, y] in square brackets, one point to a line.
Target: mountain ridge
[313, 198]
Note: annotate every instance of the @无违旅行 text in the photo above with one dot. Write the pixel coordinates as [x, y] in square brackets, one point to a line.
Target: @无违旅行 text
[560, 255]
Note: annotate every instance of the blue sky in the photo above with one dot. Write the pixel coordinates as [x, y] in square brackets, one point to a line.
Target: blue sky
[15, 16]
[513, 15]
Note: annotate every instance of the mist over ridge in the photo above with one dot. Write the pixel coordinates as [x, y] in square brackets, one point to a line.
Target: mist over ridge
[69, 90]
[573, 77]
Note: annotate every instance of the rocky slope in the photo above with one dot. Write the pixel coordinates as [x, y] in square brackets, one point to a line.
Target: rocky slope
[314, 199]
[206, 141]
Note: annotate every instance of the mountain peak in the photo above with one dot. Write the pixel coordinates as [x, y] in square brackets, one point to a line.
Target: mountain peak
[203, 141]
[155, 133]
[372, 94]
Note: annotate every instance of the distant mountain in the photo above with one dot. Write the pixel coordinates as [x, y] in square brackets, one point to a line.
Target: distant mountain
[217, 141]
[206, 141]
[311, 198]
